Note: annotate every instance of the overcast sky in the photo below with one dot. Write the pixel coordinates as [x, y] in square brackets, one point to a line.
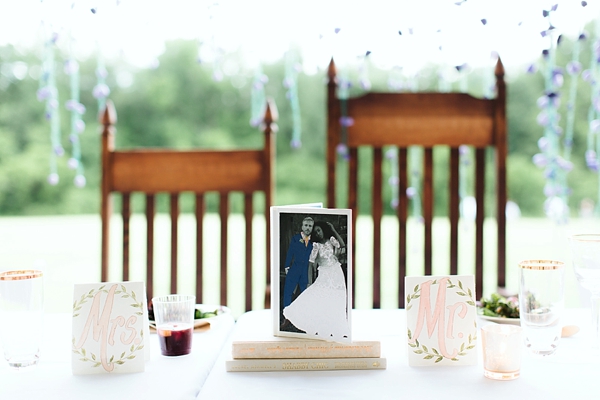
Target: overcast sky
[264, 29]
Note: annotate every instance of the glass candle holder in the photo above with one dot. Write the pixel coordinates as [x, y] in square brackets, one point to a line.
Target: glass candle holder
[502, 348]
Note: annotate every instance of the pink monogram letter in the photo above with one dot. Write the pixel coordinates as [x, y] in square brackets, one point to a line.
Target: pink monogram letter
[100, 325]
[438, 317]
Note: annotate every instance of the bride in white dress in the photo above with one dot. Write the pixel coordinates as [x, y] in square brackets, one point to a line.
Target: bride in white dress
[320, 310]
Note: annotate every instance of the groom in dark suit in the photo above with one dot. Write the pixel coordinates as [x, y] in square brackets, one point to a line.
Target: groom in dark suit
[296, 261]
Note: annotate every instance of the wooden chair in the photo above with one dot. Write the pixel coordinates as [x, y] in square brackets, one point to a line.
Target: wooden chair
[427, 120]
[153, 171]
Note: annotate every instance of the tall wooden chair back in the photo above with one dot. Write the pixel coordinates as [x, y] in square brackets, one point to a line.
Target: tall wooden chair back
[154, 171]
[427, 120]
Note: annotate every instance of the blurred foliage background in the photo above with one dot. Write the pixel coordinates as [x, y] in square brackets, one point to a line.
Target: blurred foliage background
[179, 105]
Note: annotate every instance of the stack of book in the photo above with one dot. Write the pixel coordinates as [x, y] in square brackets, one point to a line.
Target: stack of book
[291, 354]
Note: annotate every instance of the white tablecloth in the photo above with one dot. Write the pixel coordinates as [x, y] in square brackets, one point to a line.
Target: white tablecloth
[572, 373]
[163, 378]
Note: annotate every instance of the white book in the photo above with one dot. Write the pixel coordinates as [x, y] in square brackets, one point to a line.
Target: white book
[304, 364]
[279, 347]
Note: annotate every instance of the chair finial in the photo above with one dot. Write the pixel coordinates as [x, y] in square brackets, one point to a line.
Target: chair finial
[331, 71]
[499, 71]
[271, 115]
[109, 115]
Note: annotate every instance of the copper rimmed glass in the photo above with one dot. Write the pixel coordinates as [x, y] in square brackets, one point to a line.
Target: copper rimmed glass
[541, 304]
[585, 252]
[21, 313]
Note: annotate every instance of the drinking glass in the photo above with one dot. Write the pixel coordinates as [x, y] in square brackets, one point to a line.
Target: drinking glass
[21, 313]
[541, 303]
[585, 251]
[174, 316]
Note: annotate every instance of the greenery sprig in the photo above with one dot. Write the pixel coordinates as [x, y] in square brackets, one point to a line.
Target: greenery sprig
[432, 353]
[122, 291]
[126, 355]
[461, 292]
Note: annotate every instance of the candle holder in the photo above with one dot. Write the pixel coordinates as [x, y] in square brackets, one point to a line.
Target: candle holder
[502, 348]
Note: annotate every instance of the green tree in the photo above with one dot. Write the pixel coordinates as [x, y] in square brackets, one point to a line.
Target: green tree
[179, 105]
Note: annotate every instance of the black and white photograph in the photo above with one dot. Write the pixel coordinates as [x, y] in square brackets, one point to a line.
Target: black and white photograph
[311, 273]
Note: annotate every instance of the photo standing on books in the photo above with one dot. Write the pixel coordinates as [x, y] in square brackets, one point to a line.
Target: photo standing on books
[320, 310]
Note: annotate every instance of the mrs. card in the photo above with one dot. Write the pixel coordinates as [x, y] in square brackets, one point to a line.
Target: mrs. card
[110, 328]
[441, 320]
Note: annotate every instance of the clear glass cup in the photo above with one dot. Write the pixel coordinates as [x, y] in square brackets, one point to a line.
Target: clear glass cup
[585, 253]
[541, 304]
[174, 317]
[502, 347]
[21, 316]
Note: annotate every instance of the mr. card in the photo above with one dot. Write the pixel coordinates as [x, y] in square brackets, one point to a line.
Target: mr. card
[441, 320]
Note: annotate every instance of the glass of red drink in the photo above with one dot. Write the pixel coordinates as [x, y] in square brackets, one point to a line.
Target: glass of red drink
[174, 316]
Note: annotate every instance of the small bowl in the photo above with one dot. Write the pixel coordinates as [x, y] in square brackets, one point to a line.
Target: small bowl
[501, 320]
